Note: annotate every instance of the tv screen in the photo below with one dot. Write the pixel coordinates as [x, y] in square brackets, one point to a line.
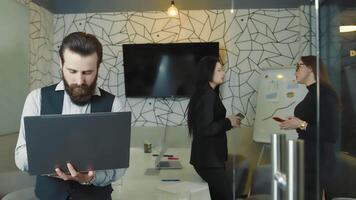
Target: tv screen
[163, 70]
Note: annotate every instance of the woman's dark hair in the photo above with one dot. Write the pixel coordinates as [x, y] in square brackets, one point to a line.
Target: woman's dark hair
[310, 62]
[82, 43]
[205, 73]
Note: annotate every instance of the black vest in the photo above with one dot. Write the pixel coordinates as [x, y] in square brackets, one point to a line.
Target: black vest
[48, 188]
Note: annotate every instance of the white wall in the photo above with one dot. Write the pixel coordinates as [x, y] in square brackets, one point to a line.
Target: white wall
[14, 63]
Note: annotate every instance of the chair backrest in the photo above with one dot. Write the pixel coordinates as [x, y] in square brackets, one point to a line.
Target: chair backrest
[262, 177]
[11, 181]
[23, 194]
[237, 168]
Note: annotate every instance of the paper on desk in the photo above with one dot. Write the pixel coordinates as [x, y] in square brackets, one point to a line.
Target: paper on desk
[183, 187]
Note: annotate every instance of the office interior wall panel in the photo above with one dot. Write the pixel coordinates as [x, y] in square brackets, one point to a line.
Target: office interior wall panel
[250, 40]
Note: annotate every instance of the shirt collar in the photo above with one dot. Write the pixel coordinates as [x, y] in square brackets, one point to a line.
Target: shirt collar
[60, 86]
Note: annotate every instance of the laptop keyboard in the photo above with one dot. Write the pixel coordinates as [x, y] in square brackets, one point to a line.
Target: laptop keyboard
[164, 164]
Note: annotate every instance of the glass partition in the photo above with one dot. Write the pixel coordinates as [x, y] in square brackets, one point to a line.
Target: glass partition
[336, 133]
[298, 27]
[312, 42]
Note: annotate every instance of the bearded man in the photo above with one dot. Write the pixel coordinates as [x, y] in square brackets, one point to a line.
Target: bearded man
[80, 54]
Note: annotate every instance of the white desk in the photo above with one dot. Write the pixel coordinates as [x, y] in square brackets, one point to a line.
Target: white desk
[136, 185]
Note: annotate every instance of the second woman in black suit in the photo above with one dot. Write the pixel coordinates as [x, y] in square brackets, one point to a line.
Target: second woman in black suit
[207, 123]
[305, 123]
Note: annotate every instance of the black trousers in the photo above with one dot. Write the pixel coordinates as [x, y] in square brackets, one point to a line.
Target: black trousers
[219, 186]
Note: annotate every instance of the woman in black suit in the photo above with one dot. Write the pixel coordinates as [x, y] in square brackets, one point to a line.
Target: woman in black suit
[208, 125]
[304, 121]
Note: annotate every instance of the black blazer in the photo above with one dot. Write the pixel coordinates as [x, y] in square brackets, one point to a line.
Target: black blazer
[209, 145]
[329, 114]
[329, 135]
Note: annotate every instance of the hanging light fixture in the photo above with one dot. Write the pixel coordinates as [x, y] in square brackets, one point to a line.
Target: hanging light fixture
[232, 7]
[172, 11]
[345, 29]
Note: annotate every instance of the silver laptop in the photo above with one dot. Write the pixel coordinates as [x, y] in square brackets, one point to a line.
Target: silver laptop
[169, 164]
[93, 141]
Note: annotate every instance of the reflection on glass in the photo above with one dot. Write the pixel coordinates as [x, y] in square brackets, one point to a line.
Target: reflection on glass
[337, 43]
[305, 122]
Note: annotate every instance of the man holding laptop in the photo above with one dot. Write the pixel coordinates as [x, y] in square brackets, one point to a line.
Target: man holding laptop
[77, 93]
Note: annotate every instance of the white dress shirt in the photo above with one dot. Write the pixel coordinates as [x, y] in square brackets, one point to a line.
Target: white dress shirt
[32, 107]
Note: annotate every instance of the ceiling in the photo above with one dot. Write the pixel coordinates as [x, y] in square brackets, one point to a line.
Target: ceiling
[88, 6]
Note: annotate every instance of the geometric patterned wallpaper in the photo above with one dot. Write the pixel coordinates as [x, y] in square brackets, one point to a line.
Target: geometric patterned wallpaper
[250, 40]
[41, 45]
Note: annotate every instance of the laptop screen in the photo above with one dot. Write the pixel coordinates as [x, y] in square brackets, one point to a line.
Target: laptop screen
[93, 141]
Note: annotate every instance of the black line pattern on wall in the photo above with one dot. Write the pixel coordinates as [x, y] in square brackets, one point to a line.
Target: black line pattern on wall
[250, 41]
[307, 30]
[40, 46]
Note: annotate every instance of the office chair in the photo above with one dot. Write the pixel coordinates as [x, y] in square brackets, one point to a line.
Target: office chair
[261, 183]
[237, 168]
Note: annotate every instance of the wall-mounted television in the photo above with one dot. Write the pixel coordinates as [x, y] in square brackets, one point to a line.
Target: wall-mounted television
[163, 70]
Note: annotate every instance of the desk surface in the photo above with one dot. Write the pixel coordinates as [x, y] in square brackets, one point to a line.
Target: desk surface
[136, 185]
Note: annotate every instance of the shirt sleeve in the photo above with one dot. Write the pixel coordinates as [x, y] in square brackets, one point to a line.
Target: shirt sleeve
[106, 177]
[31, 108]
[116, 106]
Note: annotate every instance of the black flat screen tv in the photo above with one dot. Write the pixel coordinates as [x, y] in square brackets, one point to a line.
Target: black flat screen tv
[163, 70]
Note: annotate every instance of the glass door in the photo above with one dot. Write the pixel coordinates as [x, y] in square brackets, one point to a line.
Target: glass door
[336, 99]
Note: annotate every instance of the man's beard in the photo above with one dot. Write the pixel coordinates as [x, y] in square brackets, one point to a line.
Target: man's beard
[80, 95]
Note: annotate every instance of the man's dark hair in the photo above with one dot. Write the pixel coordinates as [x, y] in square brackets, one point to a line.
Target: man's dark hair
[82, 43]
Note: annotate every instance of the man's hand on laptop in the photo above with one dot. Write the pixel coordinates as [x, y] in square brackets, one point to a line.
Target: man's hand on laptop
[82, 178]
